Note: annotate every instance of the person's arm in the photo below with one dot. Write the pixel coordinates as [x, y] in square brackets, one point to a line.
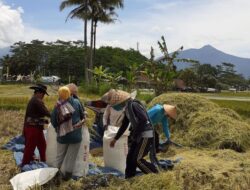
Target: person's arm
[53, 118]
[42, 108]
[165, 126]
[83, 111]
[141, 116]
[121, 130]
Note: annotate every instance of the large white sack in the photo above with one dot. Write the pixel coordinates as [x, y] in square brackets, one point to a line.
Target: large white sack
[115, 157]
[26, 180]
[82, 160]
[51, 149]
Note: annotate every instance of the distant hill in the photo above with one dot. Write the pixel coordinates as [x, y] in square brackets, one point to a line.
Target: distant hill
[213, 56]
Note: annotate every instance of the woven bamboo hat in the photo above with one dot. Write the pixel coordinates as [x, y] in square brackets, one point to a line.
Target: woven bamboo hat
[170, 110]
[114, 97]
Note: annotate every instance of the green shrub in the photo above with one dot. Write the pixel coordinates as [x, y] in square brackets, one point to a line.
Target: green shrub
[145, 97]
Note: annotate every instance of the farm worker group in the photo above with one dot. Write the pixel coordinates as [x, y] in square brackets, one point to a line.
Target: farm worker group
[124, 114]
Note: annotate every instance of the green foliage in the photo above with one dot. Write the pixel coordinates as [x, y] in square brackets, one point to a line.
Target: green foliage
[66, 59]
[146, 97]
[117, 59]
[94, 89]
[162, 72]
[220, 77]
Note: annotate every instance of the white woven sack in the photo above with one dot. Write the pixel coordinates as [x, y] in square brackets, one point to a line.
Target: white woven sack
[51, 149]
[115, 157]
[82, 160]
[29, 179]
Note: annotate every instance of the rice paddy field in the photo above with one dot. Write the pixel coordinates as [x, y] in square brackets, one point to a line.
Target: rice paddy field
[215, 136]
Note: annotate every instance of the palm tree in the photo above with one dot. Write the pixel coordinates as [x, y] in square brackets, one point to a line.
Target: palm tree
[94, 10]
[106, 14]
[81, 11]
[102, 11]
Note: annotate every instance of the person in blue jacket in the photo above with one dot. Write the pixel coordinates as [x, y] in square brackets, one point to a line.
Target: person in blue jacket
[160, 114]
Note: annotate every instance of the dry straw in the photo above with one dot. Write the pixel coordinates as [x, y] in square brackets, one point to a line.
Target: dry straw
[202, 123]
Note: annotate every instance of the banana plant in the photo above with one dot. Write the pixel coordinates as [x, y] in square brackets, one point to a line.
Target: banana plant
[102, 75]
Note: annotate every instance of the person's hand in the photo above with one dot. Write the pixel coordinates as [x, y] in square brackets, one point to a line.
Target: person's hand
[112, 143]
[168, 141]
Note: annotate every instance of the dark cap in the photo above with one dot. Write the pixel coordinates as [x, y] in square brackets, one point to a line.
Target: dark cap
[40, 88]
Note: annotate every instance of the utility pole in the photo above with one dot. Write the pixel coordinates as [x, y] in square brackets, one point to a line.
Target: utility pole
[137, 46]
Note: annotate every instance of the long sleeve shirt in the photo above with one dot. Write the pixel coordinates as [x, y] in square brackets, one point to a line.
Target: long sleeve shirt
[140, 124]
[157, 115]
[36, 109]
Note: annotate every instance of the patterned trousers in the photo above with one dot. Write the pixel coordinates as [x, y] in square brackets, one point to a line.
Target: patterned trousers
[135, 158]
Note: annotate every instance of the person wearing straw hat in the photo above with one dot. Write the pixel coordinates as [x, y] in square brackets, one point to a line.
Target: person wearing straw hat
[141, 132]
[111, 116]
[33, 125]
[159, 114]
[66, 119]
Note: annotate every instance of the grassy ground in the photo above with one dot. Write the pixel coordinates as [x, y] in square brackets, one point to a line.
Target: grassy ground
[241, 107]
[245, 94]
[199, 169]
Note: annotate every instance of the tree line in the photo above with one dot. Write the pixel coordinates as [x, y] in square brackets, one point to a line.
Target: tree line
[65, 59]
[220, 77]
[116, 66]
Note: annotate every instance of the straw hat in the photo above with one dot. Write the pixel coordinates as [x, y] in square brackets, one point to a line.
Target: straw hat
[64, 93]
[114, 97]
[170, 110]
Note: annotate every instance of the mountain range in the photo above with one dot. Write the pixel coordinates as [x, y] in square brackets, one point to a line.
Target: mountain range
[213, 56]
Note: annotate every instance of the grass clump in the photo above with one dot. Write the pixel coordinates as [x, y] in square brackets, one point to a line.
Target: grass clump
[202, 123]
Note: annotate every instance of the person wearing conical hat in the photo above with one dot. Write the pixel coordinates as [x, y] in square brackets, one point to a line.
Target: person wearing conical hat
[111, 116]
[33, 125]
[160, 114]
[141, 132]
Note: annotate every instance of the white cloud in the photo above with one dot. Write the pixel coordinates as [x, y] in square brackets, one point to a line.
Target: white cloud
[224, 24]
[11, 24]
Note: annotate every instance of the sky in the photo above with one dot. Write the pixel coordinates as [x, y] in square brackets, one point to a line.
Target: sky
[224, 24]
